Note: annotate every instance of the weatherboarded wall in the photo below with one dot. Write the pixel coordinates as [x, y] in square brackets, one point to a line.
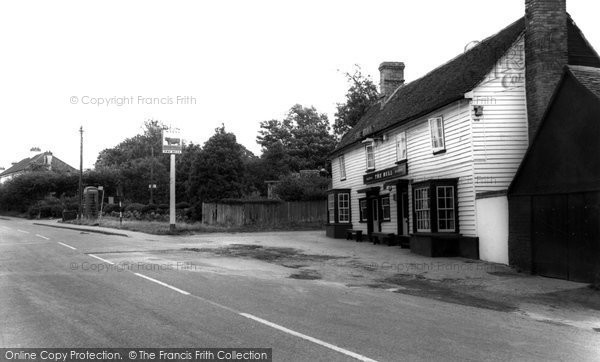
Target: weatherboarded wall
[303, 213]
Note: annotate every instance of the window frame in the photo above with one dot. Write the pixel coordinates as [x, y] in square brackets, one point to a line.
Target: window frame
[401, 151]
[434, 192]
[334, 196]
[363, 210]
[445, 208]
[331, 208]
[435, 135]
[370, 156]
[385, 208]
[346, 208]
[420, 211]
[342, 165]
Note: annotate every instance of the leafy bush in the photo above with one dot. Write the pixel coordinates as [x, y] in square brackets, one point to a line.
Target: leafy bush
[294, 187]
[109, 208]
[182, 205]
[149, 208]
[194, 212]
[49, 207]
[135, 207]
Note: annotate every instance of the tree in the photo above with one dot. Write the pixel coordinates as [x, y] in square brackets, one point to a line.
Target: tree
[135, 164]
[219, 169]
[361, 95]
[295, 187]
[301, 141]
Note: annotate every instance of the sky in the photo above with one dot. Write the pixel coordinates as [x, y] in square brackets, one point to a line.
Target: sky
[108, 66]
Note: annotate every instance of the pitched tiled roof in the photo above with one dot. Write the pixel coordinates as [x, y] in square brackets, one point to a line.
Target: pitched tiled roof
[449, 82]
[589, 77]
[38, 159]
[443, 85]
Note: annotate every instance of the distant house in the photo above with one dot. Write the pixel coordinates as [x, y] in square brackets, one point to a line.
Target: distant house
[554, 199]
[432, 161]
[44, 161]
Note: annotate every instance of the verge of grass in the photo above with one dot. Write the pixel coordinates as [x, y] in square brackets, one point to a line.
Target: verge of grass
[181, 228]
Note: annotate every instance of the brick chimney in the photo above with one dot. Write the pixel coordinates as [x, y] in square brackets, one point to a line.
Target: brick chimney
[48, 160]
[546, 53]
[391, 76]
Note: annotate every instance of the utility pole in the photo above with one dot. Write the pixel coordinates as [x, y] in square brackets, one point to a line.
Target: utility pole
[81, 174]
[152, 176]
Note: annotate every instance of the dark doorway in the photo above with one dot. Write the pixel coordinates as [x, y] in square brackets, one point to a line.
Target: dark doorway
[566, 236]
[402, 207]
[373, 212]
[375, 215]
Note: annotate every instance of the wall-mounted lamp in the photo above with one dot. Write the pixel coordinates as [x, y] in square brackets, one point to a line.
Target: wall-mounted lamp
[371, 140]
[390, 188]
[478, 111]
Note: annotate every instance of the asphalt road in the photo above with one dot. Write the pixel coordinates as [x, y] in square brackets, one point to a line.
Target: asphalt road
[52, 294]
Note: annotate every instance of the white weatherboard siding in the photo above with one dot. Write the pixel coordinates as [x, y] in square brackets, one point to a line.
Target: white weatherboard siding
[482, 152]
[423, 165]
[456, 162]
[500, 136]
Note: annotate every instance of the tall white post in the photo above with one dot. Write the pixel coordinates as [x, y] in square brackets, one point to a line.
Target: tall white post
[172, 195]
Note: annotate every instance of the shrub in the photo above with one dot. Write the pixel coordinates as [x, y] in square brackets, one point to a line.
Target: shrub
[194, 213]
[302, 188]
[163, 206]
[182, 205]
[70, 203]
[49, 207]
[149, 208]
[109, 208]
[134, 207]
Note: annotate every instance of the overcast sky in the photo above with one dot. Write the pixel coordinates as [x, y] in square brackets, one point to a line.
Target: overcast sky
[241, 61]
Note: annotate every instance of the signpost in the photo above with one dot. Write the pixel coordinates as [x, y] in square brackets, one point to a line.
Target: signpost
[172, 144]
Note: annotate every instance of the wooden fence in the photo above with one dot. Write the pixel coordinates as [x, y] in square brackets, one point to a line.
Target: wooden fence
[268, 215]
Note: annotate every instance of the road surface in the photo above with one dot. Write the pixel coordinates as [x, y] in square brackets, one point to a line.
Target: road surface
[64, 288]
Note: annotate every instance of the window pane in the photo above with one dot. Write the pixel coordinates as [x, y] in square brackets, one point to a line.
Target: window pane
[401, 146]
[436, 126]
[385, 206]
[422, 211]
[343, 208]
[331, 207]
[363, 210]
[445, 205]
[370, 157]
[342, 167]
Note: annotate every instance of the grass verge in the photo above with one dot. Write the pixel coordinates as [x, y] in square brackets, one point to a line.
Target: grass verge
[162, 228]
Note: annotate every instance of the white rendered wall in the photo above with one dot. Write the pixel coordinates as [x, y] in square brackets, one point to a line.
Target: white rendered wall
[492, 229]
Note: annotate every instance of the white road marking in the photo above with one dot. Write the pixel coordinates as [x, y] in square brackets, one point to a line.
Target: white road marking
[246, 315]
[309, 338]
[42, 236]
[23, 231]
[68, 246]
[99, 258]
[5, 227]
[163, 284]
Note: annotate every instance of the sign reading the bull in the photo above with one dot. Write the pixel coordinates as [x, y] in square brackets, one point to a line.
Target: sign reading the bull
[172, 142]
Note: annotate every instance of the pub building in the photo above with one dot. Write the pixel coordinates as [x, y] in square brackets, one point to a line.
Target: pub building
[429, 165]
